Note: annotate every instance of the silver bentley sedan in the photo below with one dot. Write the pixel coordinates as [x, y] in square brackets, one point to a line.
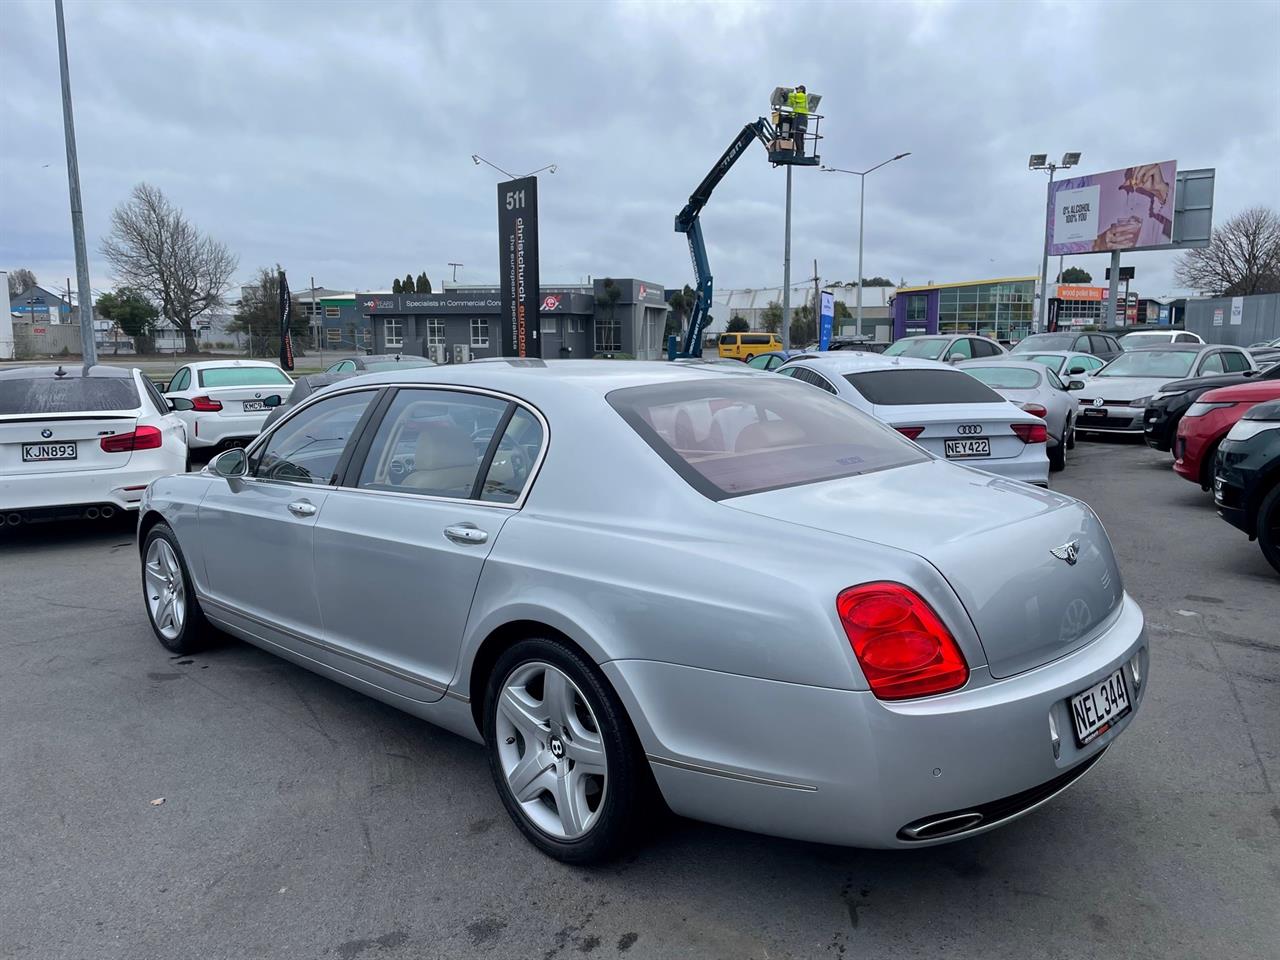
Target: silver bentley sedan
[692, 582]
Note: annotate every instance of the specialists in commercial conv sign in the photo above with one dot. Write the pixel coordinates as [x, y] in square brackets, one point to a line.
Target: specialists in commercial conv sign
[1118, 210]
[518, 262]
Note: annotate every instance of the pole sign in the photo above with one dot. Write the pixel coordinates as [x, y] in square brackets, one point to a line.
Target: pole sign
[518, 261]
[827, 319]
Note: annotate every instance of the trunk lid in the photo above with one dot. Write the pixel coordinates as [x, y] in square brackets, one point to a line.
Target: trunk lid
[944, 422]
[83, 430]
[233, 399]
[990, 538]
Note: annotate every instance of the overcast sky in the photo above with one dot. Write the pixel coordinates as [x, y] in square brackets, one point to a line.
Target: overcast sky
[336, 138]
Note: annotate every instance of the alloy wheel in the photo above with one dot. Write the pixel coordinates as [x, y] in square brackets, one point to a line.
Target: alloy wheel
[550, 750]
[166, 594]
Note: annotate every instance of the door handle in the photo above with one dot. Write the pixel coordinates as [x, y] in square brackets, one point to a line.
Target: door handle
[302, 508]
[466, 533]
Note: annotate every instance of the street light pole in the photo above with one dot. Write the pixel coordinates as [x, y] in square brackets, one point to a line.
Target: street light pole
[862, 196]
[786, 271]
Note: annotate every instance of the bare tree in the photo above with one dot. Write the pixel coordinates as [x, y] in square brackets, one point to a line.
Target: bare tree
[21, 280]
[155, 249]
[1242, 258]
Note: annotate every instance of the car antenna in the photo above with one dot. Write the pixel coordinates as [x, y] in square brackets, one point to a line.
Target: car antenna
[59, 372]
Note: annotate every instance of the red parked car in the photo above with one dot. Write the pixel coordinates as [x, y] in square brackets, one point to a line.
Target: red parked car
[1207, 421]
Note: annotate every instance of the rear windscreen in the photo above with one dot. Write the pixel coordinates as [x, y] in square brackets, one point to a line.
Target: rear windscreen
[895, 388]
[1004, 377]
[67, 395]
[737, 435]
[241, 376]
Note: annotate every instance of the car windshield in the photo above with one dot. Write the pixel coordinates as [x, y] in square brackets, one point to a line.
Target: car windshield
[1045, 341]
[1005, 377]
[1051, 360]
[67, 395]
[927, 348]
[241, 376]
[392, 363]
[1131, 340]
[730, 436]
[894, 388]
[1169, 364]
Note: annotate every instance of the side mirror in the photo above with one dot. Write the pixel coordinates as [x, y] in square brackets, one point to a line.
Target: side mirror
[180, 403]
[1075, 385]
[1077, 368]
[231, 463]
[956, 356]
[272, 401]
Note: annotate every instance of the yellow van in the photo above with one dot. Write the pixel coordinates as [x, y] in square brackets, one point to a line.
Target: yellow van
[744, 346]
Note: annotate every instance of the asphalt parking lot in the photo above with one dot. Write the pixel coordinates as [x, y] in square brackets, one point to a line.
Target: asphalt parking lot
[303, 820]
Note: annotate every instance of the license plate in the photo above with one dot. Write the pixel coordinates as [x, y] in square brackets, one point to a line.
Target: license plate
[958, 449]
[1094, 711]
[254, 406]
[1093, 412]
[35, 452]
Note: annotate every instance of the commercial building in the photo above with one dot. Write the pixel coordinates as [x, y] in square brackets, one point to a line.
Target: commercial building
[1001, 309]
[40, 306]
[625, 316]
[750, 304]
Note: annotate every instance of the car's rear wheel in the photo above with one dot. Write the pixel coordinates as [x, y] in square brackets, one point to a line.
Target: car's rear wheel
[1071, 433]
[562, 752]
[169, 594]
[1268, 526]
[1058, 456]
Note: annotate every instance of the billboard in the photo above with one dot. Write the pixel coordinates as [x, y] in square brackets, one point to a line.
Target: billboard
[518, 263]
[1075, 292]
[1130, 209]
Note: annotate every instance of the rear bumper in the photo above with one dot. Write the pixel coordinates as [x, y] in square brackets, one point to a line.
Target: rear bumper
[120, 488]
[213, 429]
[840, 766]
[1028, 467]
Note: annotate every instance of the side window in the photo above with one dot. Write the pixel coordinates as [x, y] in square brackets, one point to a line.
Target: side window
[792, 371]
[1093, 363]
[157, 401]
[307, 448]
[432, 442]
[513, 458]
[1235, 362]
[180, 380]
[1212, 363]
[984, 348]
[960, 346]
[808, 376]
[761, 362]
[1184, 338]
[1053, 379]
[728, 339]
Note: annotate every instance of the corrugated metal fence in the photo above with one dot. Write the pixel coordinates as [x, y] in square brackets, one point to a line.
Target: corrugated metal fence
[1256, 321]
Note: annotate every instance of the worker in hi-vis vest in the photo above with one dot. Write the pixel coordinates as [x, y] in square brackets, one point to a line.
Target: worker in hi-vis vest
[798, 101]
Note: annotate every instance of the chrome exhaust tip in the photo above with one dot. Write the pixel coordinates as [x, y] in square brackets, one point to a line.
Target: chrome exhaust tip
[14, 519]
[91, 513]
[942, 826]
[108, 512]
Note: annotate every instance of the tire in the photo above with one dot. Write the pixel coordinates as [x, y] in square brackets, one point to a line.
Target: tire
[1268, 527]
[1071, 434]
[528, 739]
[1206, 467]
[1058, 457]
[184, 630]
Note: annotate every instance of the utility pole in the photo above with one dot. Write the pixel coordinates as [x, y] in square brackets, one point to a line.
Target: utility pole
[317, 327]
[817, 304]
[88, 347]
[786, 271]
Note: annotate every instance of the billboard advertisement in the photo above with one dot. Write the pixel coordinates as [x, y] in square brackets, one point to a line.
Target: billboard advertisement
[1128, 209]
[518, 259]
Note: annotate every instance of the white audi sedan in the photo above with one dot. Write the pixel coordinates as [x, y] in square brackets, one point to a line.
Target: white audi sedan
[223, 402]
[80, 442]
[949, 413]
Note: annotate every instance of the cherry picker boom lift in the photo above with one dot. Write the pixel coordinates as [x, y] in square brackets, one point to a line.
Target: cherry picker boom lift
[785, 142]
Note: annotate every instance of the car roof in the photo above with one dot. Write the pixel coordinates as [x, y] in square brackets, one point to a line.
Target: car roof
[856, 361]
[206, 364]
[69, 371]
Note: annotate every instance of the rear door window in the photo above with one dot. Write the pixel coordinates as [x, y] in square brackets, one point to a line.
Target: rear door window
[1235, 362]
[984, 348]
[894, 388]
[732, 436]
[67, 395]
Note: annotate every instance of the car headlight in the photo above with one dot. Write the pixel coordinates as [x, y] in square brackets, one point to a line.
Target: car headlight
[1248, 429]
[1199, 408]
[1140, 402]
[1163, 394]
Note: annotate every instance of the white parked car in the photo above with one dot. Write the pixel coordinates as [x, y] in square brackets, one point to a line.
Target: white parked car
[948, 347]
[1151, 338]
[951, 414]
[77, 442]
[224, 402]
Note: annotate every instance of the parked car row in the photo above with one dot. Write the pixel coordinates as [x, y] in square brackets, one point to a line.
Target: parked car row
[1246, 483]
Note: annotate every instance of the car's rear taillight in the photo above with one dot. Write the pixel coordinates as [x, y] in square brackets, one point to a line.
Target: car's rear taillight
[144, 438]
[1031, 432]
[910, 432]
[904, 649]
[206, 404]
[1034, 409]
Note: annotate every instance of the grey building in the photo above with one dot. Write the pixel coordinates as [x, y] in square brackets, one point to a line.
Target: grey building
[577, 320]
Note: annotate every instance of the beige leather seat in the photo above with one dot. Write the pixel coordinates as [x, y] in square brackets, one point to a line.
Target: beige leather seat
[444, 461]
[768, 434]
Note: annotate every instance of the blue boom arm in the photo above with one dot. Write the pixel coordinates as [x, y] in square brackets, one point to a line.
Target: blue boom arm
[687, 223]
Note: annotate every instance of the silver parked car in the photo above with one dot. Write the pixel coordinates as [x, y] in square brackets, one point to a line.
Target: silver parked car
[724, 587]
[1037, 390]
[946, 347]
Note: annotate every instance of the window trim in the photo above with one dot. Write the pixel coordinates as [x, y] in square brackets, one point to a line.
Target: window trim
[340, 468]
[359, 450]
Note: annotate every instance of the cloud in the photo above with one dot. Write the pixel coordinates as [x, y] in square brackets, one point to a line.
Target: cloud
[336, 138]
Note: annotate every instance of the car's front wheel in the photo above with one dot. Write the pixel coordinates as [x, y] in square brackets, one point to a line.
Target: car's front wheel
[169, 595]
[563, 755]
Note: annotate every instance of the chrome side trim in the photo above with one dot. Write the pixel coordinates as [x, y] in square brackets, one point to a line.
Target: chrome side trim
[360, 658]
[730, 774]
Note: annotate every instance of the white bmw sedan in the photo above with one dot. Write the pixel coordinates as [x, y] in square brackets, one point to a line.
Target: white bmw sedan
[82, 442]
[223, 402]
[949, 413]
